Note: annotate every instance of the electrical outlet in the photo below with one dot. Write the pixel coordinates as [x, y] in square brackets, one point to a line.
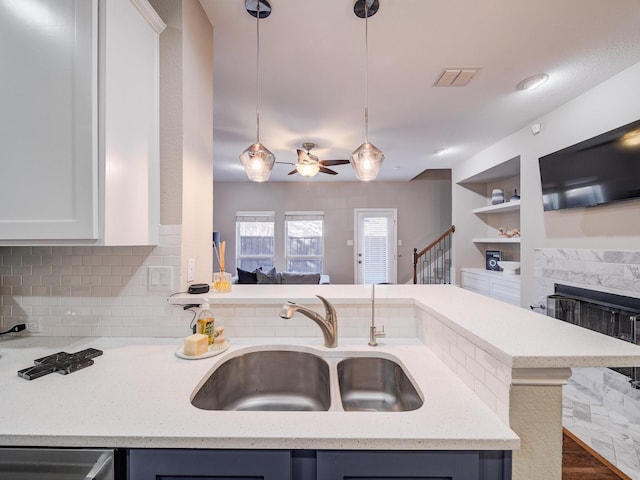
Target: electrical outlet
[191, 270]
[34, 326]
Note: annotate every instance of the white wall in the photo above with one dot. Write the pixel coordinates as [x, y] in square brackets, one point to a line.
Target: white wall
[424, 212]
[613, 103]
[197, 147]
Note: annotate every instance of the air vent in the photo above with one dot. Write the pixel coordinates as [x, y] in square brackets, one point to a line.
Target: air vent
[456, 77]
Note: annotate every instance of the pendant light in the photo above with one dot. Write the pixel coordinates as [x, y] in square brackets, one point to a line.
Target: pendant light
[257, 160]
[367, 159]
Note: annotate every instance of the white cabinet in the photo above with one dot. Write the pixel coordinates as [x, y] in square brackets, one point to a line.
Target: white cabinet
[79, 157]
[49, 134]
[493, 284]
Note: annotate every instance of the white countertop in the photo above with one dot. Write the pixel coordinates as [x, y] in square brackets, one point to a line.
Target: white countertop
[517, 336]
[137, 394]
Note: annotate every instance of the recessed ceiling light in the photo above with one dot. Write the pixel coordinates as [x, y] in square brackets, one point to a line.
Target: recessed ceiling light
[532, 82]
[440, 151]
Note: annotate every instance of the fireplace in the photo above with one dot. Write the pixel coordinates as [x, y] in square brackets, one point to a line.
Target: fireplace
[611, 314]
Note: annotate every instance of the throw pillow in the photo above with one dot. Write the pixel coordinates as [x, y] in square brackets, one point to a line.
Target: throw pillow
[300, 278]
[269, 276]
[245, 276]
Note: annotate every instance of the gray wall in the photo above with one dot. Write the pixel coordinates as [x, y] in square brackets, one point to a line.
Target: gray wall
[424, 211]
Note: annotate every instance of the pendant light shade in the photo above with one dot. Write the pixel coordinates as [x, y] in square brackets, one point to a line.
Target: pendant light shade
[257, 160]
[367, 159]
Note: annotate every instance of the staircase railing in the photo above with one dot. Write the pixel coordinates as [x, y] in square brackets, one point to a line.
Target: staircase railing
[432, 264]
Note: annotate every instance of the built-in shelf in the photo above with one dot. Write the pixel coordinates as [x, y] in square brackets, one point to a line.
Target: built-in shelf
[512, 206]
[497, 240]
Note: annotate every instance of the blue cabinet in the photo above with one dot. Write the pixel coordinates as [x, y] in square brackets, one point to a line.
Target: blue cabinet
[151, 464]
[173, 464]
[405, 465]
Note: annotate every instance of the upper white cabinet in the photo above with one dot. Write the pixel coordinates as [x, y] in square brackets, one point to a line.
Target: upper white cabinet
[49, 134]
[79, 139]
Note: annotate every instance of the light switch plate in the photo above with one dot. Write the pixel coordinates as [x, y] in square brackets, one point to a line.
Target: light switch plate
[191, 269]
[160, 278]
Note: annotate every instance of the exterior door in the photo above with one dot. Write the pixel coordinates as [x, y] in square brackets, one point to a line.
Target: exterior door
[375, 247]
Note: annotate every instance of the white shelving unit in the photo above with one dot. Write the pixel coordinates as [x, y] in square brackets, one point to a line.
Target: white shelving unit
[496, 240]
[512, 206]
[483, 232]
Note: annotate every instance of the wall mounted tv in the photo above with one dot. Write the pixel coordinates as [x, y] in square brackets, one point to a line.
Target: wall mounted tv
[600, 170]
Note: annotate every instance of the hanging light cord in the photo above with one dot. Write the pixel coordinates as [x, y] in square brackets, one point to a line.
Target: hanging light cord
[366, 71]
[258, 74]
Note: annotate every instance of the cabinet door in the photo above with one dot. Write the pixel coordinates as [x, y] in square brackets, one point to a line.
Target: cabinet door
[475, 283]
[151, 464]
[506, 291]
[129, 61]
[48, 93]
[342, 465]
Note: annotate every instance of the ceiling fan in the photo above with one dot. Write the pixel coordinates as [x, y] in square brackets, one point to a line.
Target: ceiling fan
[309, 165]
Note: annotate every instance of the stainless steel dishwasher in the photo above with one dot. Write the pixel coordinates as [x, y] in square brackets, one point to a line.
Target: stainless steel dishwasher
[56, 464]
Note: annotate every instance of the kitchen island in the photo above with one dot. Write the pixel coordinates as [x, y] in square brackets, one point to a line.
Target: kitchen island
[490, 375]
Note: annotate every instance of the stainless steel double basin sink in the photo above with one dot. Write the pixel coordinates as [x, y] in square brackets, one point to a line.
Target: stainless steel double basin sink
[286, 380]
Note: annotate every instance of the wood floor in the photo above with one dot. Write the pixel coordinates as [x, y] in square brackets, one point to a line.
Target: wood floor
[580, 462]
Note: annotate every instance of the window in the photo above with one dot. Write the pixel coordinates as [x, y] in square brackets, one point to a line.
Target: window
[255, 240]
[304, 237]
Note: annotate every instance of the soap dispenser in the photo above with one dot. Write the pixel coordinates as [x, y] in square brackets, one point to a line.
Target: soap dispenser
[206, 322]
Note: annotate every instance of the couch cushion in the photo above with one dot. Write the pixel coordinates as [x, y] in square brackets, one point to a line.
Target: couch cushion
[269, 276]
[300, 278]
[245, 276]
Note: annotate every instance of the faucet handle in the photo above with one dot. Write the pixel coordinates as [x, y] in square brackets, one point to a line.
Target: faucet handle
[373, 335]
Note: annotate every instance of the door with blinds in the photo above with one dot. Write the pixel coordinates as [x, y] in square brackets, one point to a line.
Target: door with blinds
[376, 246]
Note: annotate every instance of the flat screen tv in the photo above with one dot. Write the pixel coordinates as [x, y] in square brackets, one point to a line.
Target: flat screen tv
[600, 170]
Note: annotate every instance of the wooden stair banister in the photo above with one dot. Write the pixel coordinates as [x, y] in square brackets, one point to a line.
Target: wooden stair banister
[417, 255]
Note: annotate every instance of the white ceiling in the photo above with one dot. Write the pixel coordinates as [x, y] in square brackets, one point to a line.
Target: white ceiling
[313, 69]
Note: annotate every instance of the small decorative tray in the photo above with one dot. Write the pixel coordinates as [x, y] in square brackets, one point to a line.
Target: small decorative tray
[211, 353]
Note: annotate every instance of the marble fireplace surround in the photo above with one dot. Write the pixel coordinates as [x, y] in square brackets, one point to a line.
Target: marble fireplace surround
[611, 271]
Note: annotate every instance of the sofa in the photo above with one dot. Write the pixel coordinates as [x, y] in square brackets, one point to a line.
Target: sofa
[271, 277]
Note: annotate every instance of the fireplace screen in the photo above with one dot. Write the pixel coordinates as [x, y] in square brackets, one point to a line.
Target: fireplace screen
[610, 314]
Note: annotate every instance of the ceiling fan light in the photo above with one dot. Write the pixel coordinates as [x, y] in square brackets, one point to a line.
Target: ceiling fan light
[366, 161]
[308, 169]
[258, 162]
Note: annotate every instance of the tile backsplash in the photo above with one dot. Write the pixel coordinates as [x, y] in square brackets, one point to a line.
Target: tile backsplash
[102, 291]
[91, 290]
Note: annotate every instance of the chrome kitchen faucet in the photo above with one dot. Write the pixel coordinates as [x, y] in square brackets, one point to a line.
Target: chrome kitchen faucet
[328, 325]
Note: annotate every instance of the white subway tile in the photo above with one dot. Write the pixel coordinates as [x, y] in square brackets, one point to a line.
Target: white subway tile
[475, 369]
